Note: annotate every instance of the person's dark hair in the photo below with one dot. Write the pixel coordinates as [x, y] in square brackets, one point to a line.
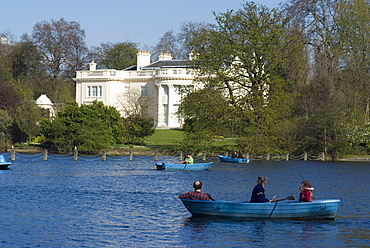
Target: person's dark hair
[261, 179]
[306, 184]
[197, 185]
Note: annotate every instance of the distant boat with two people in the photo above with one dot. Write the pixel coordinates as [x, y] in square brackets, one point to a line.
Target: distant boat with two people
[227, 159]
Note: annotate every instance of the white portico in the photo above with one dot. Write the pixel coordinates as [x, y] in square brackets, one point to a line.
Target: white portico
[153, 89]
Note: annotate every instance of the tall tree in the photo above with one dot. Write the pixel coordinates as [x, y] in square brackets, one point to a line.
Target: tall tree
[6, 44]
[177, 43]
[5, 122]
[9, 98]
[116, 55]
[352, 18]
[28, 118]
[320, 100]
[167, 44]
[28, 70]
[62, 45]
[244, 57]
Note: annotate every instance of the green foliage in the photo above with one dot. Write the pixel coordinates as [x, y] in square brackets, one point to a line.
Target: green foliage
[242, 62]
[91, 128]
[9, 98]
[116, 56]
[207, 109]
[137, 128]
[5, 123]
[39, 139]
[28, 117]
[195, 142]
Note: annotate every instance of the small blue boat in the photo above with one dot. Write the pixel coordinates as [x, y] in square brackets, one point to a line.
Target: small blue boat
[317, 209]
[233, 160]
[188, 167]
[4, 165]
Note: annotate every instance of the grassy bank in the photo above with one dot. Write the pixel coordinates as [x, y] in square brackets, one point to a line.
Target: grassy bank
[164, 139]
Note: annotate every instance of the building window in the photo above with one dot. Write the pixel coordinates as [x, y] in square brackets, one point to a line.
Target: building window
[175, 116]
[100, 91]
[165, 90]
[95, 91]
[126, 90]
[165, 114]
[144, 91]
[177, 71]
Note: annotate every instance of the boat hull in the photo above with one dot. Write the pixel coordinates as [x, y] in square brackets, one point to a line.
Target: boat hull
[317, 209]
[227, 159]
[4, 165]
[187, 167]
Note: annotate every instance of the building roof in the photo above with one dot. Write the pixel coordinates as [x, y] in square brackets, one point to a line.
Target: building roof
[168, 63]
[43, 100]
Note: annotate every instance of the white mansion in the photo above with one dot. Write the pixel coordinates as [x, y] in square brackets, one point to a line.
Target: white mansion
[152, 89]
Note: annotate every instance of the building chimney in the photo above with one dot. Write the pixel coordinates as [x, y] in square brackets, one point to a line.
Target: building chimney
[165, 56]
[92, 66]
[143, 59]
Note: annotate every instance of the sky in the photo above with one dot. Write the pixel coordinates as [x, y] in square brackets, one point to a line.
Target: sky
[142, 22]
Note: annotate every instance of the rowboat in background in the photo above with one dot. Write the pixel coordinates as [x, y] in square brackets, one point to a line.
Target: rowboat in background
[188, 167]
[317, 209]
[4, 165]
[227, 159]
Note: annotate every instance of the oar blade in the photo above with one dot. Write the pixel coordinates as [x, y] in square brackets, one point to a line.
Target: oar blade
[290, 198]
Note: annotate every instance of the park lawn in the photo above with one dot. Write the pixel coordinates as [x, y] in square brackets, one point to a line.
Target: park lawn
[164, 139]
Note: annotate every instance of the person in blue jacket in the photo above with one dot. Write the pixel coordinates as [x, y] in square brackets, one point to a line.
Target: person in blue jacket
[258, 193]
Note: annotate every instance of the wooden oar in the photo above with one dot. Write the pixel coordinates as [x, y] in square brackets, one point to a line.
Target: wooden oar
[287, 198]
[276, 201]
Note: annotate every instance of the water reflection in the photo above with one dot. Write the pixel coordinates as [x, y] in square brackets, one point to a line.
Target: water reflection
[197, 227]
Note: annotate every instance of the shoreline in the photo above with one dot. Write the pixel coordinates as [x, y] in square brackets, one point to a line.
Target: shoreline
[149, 152]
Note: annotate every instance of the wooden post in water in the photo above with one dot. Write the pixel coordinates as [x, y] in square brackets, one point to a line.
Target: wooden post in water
[104, 156]
[305, 156]
[287, 156]
[204, 156]
[323, 156]
[13, 154]
[156, 156]
[45, 155]
[130, 156]
[75, 154]
[268, 157]
[181, 156]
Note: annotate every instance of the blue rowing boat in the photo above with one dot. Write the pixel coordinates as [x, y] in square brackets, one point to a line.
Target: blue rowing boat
[4, 165]
[227, 159]
[317, 209]
[187, 167]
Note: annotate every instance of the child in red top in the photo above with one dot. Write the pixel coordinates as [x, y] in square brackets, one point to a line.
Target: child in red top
[306, 192]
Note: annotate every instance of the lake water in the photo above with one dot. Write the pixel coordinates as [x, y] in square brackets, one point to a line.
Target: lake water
[122, 203]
